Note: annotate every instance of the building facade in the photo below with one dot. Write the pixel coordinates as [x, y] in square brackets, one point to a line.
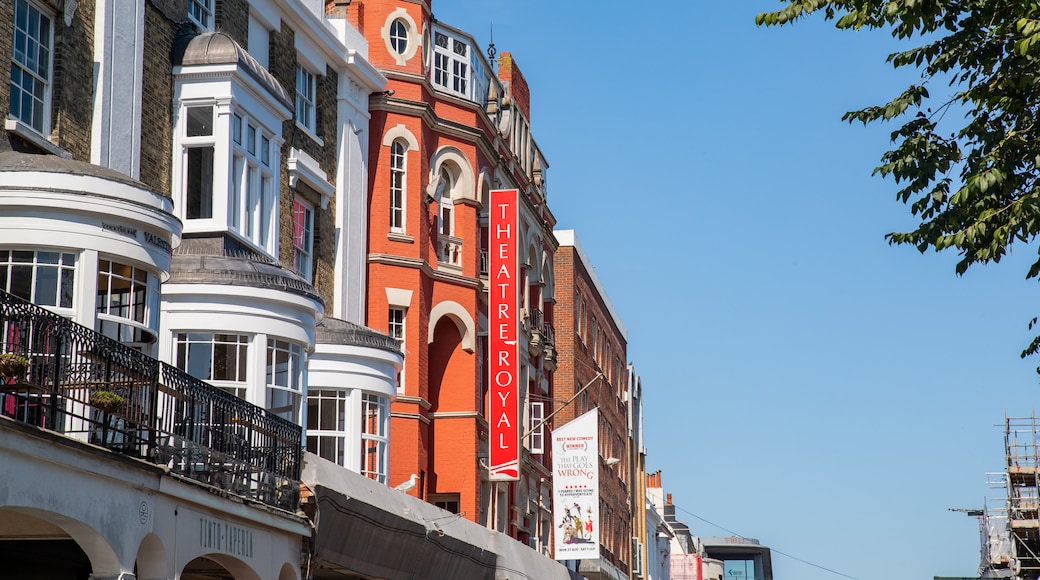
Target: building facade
[592, 341]
[453, 125]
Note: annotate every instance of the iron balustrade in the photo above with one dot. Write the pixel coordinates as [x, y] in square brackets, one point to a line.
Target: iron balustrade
[162, 414]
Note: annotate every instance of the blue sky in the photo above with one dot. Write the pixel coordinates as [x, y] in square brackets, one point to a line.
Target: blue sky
[807, 384]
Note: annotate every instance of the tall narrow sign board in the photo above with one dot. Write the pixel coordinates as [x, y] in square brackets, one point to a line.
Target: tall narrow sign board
[575, 448]
[503, 331]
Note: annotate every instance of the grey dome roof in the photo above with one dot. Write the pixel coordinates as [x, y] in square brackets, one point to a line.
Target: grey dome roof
[336, 331]
[224, 261]
[220, 48]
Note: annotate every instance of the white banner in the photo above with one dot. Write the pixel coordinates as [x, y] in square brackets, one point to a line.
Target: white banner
[575, 448]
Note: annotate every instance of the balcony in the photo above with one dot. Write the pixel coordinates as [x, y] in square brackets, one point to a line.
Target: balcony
[449, 251]
[154, 412]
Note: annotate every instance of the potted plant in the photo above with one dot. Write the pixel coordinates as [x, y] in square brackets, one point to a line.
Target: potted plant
[13, 365]
[106, 401]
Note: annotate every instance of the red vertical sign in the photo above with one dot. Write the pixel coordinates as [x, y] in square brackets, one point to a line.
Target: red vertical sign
[503, 331]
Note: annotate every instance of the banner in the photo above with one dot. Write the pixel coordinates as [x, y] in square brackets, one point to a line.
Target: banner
[503, 331]
[575, 448]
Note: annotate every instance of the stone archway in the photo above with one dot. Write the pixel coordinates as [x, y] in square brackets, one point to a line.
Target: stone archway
[34, 540]
[217, 567]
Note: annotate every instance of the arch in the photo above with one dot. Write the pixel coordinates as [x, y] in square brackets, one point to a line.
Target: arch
[458, 164]
[547, 278]
[484, 186]
[457, 314]
[289, 572]
[399, 131]
[104, 561]
[151, 558]
[204, 567]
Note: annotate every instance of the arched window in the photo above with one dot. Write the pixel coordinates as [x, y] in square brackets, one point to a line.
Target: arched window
[397, 185]
[399, 36]
[446, 219]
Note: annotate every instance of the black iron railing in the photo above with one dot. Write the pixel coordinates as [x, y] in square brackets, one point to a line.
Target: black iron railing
[154, 411]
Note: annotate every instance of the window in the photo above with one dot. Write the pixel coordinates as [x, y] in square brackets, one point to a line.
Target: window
[284, 379]
[397, 185]
[326, 424]
[127, 303]
[31, 66]
[305, 98]
[395, 328]
[445, 220]
[450, 63]
[446, 501]
[198, 142]
[220, 358]
[399, 36]
[201, 13]
[253, 202]
[375, 419]
[537, 440]
[303, 238]
[43, 278]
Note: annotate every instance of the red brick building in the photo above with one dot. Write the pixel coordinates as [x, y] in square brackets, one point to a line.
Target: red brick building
[591, 342]
[453, 125]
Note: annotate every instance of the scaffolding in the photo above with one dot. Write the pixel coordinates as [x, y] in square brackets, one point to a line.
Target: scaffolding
[1022, 445]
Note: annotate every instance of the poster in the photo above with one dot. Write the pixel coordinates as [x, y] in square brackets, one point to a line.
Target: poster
[575, 449]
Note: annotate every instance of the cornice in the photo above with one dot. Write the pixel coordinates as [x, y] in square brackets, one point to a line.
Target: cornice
[424, 266]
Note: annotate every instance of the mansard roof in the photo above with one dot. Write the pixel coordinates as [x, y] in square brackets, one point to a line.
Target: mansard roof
[336, 331]
[219, 48]
[222, 260]
[18, 161]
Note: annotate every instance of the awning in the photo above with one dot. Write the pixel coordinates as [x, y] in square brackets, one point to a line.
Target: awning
[364, 528]
[367, 540]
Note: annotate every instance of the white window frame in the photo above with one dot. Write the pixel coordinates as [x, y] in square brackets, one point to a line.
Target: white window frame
[236, 379]
[286, 363]
[64, 275]
[198, 142]
[253, 188]
[377, 441]
[536, 442]
[445, 203]
[36, 42]
[306, 99]
[140, 326]
[303, 238]
[451, 69]
[398, 184]
[396, 318]
[201, 13]
[320, 433]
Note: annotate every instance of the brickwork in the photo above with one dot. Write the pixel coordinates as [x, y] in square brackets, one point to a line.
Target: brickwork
[73, 79]
[6, 44]
[519, 92]
[578, 365]
[232, 17]
[441, 373]
[160, 28]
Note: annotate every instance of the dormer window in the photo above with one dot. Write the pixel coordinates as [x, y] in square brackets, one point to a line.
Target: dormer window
[451, 64]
